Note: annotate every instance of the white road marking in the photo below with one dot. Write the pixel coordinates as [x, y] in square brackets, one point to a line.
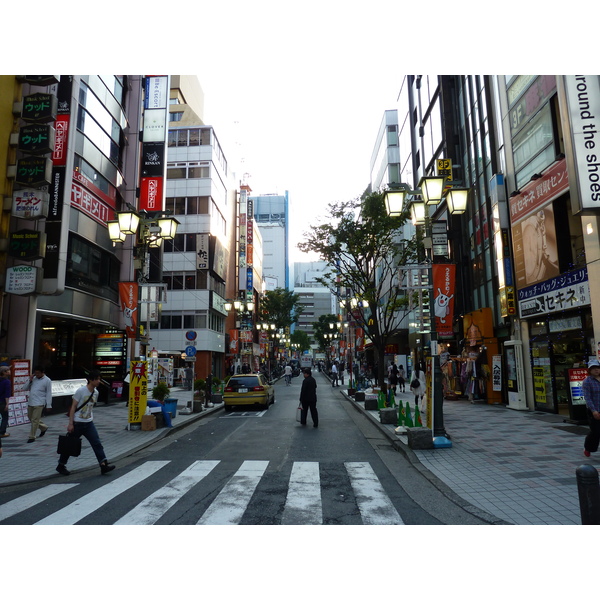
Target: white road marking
[87, 504]
[229, 506]
[303, 503]
[373, 503]
[28, 500]
[156, 505]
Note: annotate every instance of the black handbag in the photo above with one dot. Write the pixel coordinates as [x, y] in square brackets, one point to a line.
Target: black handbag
[69, 445]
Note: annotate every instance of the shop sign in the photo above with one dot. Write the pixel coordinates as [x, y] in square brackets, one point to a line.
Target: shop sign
[156, 89]
[23, 280]
[202, 245]
[90, 205]
[583, 99]
[153, 159]
[155, 125]
[39, 79]
[234, 341]
[497, 372]
[34, 172]
[39, 108]
[151, 193]
[570, 290]
[30, 204]
[36, 139]
[27, 244]
[61, 128]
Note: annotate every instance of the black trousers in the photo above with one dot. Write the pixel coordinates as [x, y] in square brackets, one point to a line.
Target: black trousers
[314, 415]
[592, 439]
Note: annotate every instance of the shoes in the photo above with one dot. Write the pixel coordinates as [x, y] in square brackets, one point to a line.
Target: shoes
[586, 453]
[43, 432]
[30, 440]
[63, 470]
[315, 425]
[5, 435]
[106, 468]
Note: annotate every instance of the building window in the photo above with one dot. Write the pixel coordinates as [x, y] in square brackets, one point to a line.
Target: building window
[175, 116]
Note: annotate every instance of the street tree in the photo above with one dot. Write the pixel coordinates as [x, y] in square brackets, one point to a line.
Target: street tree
[362, 244]
[321, 328]
[302, 339]
[281, 307]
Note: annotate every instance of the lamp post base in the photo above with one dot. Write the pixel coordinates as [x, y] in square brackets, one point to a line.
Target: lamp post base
[441, 442]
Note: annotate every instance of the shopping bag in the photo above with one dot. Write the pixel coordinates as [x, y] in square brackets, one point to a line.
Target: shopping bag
[69, 445]
[299, 413]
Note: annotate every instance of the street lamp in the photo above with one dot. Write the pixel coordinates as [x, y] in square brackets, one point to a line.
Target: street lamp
[431, 191]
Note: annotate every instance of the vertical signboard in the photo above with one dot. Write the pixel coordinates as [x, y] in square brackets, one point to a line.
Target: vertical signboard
[138, 390]
[128, 294]
[443, 297]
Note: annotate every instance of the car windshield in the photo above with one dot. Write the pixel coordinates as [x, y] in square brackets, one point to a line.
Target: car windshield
[249, 381]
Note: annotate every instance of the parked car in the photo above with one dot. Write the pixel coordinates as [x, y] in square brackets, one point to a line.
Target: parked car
[248, 390]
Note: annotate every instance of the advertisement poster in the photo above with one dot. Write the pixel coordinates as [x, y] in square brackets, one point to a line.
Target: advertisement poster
[138, 390]
[576, 377]
[17, 403]
[128, 294]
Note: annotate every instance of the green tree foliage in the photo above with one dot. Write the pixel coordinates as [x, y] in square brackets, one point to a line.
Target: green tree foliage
[321, 328]
[362, 244]
[281, 307]
[301, 338]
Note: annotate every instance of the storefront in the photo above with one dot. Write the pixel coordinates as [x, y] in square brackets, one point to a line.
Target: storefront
[559, 345]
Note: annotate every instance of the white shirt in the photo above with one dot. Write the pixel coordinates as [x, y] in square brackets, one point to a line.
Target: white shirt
[288, 370]
[40, 391]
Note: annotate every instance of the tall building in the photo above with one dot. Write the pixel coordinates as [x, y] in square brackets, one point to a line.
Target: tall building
[64, 313]
[200, 194]
[272, 217]
[316, 299]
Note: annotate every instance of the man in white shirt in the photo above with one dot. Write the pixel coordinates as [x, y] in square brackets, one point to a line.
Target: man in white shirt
[288, 374]
[40, 397]
[334, 375]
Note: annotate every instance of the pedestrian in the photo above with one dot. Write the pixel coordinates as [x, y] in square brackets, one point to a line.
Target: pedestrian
[334, 374]
[189, 377]
[208, 392]
[401, 378]
[591, 393]
[341, 368]
[417, 384]
[40, 398]
[393, 378]
[308, 398]
[81, 423]
[5, 394]
[288, 374]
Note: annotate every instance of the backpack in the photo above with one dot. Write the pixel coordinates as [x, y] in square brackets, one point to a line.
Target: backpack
[415, 383]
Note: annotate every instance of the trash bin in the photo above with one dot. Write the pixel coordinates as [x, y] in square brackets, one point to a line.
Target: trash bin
[171, 406]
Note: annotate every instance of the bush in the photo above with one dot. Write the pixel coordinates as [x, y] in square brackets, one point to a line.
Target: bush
[216, 384]
[160, 392]
[199, 385]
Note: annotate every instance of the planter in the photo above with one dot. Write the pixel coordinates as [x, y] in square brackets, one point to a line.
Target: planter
[351, 391]
[216, 398]
[198, 405]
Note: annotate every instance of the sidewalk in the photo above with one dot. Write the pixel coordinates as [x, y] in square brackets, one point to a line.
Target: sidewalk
[516, 466]
[22, 462]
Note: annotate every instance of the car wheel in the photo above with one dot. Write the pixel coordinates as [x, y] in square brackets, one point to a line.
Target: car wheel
[265, 406]
[228, 408]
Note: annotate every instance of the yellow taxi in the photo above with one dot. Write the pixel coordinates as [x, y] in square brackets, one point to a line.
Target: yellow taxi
[251, 389]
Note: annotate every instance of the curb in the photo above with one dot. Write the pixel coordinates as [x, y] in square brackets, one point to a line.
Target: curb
[442, 487]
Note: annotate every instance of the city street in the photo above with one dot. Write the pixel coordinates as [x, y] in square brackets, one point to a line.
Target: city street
[249, 467]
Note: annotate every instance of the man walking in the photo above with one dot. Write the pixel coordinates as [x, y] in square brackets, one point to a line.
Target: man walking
[591, 393]
[308, 399]
[40, 397]
[81, 423]
[334, 375]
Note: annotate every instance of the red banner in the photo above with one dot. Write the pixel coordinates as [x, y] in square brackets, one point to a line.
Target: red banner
[151, 193]
[444, 277]
[234, 344]
[360, 340]
[128, 294]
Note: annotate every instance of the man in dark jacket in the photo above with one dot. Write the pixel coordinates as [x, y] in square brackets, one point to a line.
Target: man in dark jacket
[308, 399]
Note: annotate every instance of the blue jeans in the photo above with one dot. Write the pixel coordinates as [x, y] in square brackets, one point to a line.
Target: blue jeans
[90, 433]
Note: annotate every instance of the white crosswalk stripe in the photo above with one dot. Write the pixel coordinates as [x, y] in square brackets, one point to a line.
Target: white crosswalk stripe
[94, 500]
[157, 504]
[229, 506]
[303, 504]
[374, 504]
[28, 500]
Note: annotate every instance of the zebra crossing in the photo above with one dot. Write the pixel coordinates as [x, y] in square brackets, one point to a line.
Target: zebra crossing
[303, 504]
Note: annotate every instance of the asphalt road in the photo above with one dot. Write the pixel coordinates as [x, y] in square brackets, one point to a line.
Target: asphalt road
[250, 467]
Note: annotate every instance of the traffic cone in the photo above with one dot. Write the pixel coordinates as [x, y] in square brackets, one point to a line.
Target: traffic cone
[408, 422]
[381, 400]
[401, 415]
[418, 422]
[391, 400]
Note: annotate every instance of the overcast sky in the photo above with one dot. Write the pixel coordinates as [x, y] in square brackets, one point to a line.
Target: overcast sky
[297, 91]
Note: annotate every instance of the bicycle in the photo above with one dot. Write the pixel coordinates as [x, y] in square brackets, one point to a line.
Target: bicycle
[288, 380]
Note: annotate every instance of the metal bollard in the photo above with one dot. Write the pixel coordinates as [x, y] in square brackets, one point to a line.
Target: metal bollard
[589, 494]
